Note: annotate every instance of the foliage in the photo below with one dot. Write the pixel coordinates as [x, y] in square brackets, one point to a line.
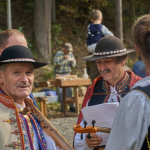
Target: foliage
[78, 10]
[51, 74]
[2, 6]
[132, 58]
[29, 43]
[56, 29]
[20, 29]
[30, 6]
[130, 63]
[44, 74]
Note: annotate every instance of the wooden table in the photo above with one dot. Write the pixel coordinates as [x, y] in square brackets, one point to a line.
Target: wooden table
[75, 83]
[76, 99]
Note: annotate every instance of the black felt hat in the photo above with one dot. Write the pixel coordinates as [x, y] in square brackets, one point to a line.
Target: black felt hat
[18, 53]
[108, 46]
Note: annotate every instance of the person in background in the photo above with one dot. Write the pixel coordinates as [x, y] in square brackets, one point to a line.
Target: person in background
[113, 84]
[95, 32]
[12, 37]
[131, 127]
[64, 61]
[139, 68]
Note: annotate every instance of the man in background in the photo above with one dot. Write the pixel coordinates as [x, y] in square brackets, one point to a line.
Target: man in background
[64, 61]
[12, 37]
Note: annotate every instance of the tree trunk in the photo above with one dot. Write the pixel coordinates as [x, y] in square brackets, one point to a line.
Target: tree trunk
[42, 29]
[118, 19]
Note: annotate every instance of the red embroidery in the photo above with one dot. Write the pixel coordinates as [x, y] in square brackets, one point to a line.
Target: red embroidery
[16, 132]
[10, 120]
[14, 145]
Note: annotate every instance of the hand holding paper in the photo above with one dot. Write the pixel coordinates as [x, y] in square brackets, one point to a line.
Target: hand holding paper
[103, 114]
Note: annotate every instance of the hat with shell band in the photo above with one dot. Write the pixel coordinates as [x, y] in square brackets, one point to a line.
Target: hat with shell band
[108, 46]
[19, 54]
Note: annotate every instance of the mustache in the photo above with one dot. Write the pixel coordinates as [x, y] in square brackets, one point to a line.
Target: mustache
[24, 84]
[105, 71]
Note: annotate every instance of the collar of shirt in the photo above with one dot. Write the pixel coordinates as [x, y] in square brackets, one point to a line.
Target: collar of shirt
[20, 106]
[113, 95]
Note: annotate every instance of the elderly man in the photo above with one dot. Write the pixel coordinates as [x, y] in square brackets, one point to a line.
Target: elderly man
[12, 37]
[22, 125]
[64, 61]
[113, 84]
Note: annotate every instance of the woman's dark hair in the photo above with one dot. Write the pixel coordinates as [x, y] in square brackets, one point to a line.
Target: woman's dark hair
[141, 34]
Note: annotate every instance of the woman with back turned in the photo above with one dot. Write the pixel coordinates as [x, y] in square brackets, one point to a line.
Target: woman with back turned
[131, 127]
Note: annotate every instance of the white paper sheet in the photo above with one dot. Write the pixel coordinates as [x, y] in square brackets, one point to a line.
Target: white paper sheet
[103, 114]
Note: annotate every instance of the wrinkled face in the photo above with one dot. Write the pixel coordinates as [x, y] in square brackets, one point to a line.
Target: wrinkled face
[110, 69]
[16, 40]
[66, 52]
[17, 79]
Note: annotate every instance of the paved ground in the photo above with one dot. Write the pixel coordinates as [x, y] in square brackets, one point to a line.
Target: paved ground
[65, 127]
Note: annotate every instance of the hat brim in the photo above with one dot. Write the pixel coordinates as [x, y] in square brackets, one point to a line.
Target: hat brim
[36, 65]
[96, 57]
[69, 50]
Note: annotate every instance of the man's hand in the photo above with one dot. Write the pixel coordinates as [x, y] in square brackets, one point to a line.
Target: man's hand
[66, 57]
[71, 59]
[94, 141]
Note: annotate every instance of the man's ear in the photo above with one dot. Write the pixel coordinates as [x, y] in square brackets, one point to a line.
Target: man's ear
[124, 62]
[1, 77]
[137, 50]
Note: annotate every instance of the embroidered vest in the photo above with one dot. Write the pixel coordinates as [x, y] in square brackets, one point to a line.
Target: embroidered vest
[146, 143]
[14, 134]
[133, 79]
[28, 141]
[103, 87]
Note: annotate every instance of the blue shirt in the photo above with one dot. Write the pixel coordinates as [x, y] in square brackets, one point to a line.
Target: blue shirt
[139, 69]
[34, 102]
